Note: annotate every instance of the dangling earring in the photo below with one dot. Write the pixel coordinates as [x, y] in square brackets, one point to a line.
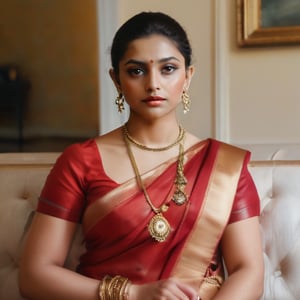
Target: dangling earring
[120, 102]
[186, 102]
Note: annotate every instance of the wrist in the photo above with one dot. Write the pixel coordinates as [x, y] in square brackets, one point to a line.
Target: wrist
[111, 288]
[132, 291]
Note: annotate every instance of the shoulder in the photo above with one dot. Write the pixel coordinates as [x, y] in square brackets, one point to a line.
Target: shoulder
[110, 144]
[78, 154]
[80, 148]
[228, 149]
[112, 137]
[218, 143]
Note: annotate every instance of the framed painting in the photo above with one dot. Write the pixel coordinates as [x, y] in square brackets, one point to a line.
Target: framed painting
[268, 22]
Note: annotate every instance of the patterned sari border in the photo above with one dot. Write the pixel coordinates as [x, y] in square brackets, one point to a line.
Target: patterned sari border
[201, 245]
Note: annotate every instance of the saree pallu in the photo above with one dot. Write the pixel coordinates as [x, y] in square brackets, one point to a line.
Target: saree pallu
[115, 225]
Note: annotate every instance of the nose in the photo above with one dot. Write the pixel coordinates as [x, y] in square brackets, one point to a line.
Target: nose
[152, 82]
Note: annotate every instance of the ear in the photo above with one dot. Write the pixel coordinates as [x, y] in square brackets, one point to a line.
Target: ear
[115, 80]
[189, 75]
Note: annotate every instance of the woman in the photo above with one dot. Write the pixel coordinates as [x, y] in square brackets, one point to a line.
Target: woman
[159, 208]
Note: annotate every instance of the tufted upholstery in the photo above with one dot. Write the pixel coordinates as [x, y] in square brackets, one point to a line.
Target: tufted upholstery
[278, 183]
[22, 176]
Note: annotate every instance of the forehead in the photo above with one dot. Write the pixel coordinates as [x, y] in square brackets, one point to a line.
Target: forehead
[152, 48]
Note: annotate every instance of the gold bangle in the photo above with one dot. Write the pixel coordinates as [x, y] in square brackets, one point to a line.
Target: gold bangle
[113, 288]
[122, 293]
[103, 288]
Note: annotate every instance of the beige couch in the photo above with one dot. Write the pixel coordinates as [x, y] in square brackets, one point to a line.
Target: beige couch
[277, 180]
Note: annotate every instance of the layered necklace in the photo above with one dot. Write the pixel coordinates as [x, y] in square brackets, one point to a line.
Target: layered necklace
[159, 227]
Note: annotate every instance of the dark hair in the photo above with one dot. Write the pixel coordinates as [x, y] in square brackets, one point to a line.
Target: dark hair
[145, 24]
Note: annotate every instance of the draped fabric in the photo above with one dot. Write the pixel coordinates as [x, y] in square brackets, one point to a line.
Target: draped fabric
[115, 216]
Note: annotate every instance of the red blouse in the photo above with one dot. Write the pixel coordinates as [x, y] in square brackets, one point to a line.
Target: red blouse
[78, 178]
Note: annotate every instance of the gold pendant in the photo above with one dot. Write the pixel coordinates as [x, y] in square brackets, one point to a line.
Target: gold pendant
[159, 228]
[179, 197]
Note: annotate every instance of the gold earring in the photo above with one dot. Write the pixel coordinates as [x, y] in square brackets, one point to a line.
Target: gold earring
[120, 102]
[186, 102]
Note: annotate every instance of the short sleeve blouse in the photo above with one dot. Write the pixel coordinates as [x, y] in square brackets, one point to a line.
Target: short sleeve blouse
[78, 178]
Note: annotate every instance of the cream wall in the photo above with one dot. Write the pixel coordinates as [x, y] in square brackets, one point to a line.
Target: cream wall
[239, 95]
[264, 90]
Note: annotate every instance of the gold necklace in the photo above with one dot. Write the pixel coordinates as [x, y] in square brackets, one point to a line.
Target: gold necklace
[159, 227]
[144, 147]
[180, 196]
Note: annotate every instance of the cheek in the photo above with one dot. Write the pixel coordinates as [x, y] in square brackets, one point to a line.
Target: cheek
[129, 87]
[177, 86]
[131, 91]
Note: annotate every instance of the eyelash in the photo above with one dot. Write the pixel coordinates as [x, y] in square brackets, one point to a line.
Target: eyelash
[135, 71]
[168, 69]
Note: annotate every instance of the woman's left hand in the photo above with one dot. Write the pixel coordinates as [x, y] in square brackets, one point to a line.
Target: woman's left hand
[170, 288]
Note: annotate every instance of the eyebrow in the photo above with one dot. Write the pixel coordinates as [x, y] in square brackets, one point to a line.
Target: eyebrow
[139, 62]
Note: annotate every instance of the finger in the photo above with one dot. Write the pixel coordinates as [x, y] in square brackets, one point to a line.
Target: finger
[169, 289]
[188, 290]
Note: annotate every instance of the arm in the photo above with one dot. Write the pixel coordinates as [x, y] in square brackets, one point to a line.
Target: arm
[42, 275]
[243, 255]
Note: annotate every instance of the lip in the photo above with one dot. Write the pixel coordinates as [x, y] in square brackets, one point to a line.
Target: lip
[154, 99]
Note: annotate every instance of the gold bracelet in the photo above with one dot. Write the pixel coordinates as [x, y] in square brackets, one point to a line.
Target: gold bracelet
[103, 287]
[124, 285]
[113, 288]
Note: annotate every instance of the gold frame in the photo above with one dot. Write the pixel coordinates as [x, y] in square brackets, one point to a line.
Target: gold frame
[250, 33]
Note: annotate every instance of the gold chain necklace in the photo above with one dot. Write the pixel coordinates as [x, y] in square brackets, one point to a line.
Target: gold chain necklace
[159, 227]
[144, 147]
[180, 196]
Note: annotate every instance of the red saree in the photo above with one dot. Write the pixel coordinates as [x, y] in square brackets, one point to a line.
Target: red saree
[115, 217]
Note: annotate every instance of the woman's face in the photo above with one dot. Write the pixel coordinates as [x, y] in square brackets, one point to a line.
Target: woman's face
[152, 76]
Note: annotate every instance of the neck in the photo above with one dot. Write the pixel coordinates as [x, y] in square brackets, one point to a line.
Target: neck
[153, 135]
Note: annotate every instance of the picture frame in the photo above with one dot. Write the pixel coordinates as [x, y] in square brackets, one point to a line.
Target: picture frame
[260, 24]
